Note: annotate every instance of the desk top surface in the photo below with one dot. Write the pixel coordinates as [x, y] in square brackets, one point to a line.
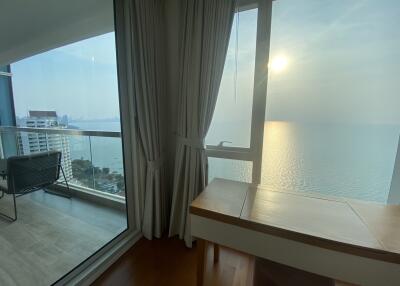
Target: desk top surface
[360, 228]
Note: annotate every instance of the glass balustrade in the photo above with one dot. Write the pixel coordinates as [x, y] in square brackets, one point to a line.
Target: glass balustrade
[91, 160]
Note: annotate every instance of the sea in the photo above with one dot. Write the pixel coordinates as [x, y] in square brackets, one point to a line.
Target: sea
[353, 161]
[105, 152]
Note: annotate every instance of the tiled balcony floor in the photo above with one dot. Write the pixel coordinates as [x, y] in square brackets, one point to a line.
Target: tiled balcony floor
[52, 236]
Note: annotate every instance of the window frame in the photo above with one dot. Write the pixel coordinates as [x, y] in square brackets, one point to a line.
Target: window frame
[92, 267]
[254, 152]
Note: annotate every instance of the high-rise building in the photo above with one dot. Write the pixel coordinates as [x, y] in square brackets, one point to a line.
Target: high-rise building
[41, 141]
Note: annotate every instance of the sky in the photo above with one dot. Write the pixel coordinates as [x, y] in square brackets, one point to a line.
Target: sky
[78, 80]
[342, 62]
[341, 59]
[232, 115]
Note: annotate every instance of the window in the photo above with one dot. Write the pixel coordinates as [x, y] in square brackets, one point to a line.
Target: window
[81, 83]
[238, 170]
[59, 92]
[333, 119]
[331, 122]
[231, 124]
[74, 87]
[235, 134]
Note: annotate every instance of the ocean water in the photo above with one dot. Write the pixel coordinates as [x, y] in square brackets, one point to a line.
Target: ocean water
[354, 161]
[106, 151]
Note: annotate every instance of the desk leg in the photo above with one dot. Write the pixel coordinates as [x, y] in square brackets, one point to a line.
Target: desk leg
[201, 259]
[216, 253]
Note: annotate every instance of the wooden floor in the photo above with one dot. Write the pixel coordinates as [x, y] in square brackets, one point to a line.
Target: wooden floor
[51, 236]
[165, 262]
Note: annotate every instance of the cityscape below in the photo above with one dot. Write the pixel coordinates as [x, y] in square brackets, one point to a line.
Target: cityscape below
[79, 162]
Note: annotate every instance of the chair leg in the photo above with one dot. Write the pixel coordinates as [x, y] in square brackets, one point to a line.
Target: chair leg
[12, 219]
[69, 194]
[66, 182]
[15, 206]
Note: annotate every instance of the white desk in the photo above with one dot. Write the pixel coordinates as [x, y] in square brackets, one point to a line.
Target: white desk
[345, 240]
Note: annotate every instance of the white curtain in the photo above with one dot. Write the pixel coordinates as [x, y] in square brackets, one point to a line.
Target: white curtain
[204, 42]
[145, 58]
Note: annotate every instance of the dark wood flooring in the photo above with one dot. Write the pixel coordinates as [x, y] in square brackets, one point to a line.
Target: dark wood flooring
[165, 262]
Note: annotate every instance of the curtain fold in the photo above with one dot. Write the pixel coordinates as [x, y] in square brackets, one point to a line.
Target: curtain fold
[145, 48]
[204, 42]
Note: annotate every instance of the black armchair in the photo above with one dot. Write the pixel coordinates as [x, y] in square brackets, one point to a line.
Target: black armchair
[30, 173]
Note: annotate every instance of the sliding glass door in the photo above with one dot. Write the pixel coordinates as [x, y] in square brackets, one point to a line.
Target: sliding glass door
[63, 82]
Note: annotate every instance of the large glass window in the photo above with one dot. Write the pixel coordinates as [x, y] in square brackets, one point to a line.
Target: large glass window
[333, 121]
[74, 87]
[231, 124]
[81, 84]
[234, 141]
[62, 85]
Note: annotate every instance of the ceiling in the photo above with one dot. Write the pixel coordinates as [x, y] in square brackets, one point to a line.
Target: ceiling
[28, 27]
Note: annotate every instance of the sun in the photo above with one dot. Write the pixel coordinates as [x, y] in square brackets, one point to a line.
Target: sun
[279, 63]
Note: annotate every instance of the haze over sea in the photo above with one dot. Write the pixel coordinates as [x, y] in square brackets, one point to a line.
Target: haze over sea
[354, 161]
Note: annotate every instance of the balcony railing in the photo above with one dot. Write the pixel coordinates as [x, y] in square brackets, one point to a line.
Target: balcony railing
[92, 160]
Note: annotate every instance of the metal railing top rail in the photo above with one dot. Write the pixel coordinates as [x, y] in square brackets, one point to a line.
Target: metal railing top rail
[3, 73]
[78, 132]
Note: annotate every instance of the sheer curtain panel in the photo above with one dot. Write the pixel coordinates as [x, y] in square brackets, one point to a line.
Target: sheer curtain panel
[205, 33]
[146, 71]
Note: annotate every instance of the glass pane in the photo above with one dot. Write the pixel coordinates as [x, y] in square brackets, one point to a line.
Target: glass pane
[60, 89]
[108, 166]
[64, 86]
[81, 161]
[88, 78]
[230, 169]
[333, 119]
[233, 112]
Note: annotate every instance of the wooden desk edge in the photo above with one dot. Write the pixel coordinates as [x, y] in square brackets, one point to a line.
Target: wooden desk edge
[377, 254]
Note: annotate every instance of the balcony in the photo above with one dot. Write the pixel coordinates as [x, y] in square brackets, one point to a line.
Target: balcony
[53, 234]
[92, 160]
